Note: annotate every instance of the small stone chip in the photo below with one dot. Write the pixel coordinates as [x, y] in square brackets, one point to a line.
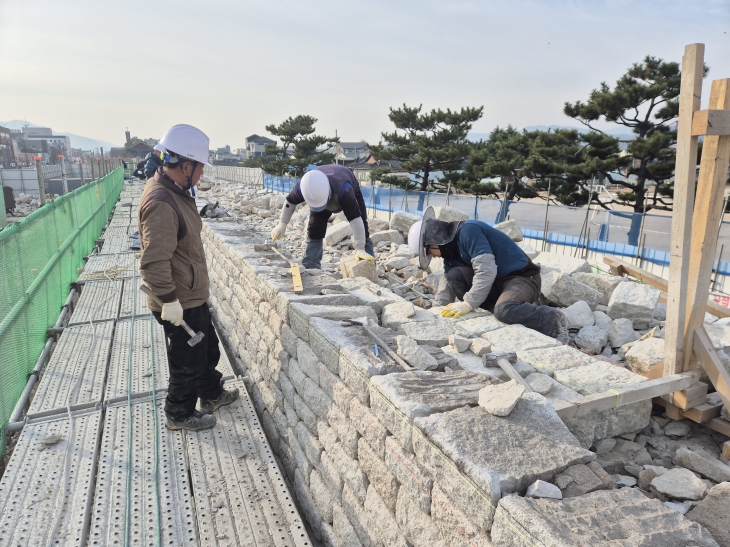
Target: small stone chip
[500, 399]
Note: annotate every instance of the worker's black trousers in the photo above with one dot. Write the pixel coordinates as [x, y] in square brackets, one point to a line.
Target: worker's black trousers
[192, 369]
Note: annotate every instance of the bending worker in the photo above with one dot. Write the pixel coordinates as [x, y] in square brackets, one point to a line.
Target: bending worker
[172, 265]
[484, 268]
[327, 190]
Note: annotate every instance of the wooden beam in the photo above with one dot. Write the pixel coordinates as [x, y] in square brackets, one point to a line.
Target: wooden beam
[658, 282]
[691, 397]
[706, 218]
[684, 198]
[711, 122]
[626, 395]
[719, 425]
[714, 367]
[726, 450]
[699, 414]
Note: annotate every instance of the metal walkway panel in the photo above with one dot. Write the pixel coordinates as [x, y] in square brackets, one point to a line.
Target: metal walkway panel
[116, 231]
[116, 245]
[109, 267]
[169, 493]
[120, 221]
[31, 489]
[71, 359]
[240, 494]
[130, 292]
[99, 301]
[148, 345]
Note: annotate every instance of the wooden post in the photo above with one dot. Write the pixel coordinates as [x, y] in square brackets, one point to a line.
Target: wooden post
[684, 190]
[707, 212]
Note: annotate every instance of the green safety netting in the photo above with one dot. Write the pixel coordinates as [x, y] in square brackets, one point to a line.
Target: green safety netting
[39, 258]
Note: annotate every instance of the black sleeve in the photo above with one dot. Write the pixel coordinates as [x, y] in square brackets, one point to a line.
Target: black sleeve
[295, 196]
[350, 206]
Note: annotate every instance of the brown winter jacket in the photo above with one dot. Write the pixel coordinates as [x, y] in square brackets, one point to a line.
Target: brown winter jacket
[172, 261]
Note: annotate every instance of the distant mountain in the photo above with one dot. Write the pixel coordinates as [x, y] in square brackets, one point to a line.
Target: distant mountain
[618, 132]
[77, 141]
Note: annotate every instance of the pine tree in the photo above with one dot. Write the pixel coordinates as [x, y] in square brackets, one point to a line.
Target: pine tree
[424, 143]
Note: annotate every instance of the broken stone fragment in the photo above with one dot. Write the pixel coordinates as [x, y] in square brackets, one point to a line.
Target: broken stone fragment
[564, 290]
[415, 355]
[337, 232]
[402, 221]
[710, 468]
[621, 332]
[511, 228]
[713, 513]
[634, 301]
[680, 483]
[397, 263]
[351, 267]
[563, 263]
[645, 355]
[623, 480]
[542, 489]
[591, 339]
[579, 315]
[459, 343]
[604, 446]
[677, 428]
[431, 333]
[603, 283]
[586, 478]
[386, 236]
[449, 214]
[540, 383]
[501, 399]
[480, 346]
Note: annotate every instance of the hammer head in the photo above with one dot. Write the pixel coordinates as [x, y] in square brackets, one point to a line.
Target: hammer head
[195, 339]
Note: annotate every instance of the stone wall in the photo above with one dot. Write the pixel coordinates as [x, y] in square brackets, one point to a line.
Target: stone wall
[375, 456]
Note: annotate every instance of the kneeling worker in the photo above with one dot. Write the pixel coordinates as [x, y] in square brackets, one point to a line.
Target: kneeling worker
[484, 268]
[172, 265]
[327, 190]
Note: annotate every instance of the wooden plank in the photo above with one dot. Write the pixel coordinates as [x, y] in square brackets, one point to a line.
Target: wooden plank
[726, 449]
[719, 425]
[711, 122]
[626, 395]
[714, 368]
[658, 282]
[706, 218]
[691, 397]
[699, 414]
[684, 199]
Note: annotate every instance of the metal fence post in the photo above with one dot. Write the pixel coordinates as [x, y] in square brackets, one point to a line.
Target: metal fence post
[41, 181]
[91, 162]
[81, 171]
[64, 180]
[3, 216]
[103, 164]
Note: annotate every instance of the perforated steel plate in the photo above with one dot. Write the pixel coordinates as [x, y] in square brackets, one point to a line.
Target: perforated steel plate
[224, 365]
[116, 245]
[99, 301]
[169, 489]
[131, 291]
[240, 494]
[31, 489]
[68, 362]
[148, 346]
[109, 267]
[116, 231]
[120, 221]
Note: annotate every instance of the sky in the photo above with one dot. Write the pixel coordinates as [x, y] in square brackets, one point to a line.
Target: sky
[231, 67]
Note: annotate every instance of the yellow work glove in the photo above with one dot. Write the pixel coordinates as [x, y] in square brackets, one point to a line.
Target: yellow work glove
[362, 255]
[457, 309]
[278, 232]
[172, 312]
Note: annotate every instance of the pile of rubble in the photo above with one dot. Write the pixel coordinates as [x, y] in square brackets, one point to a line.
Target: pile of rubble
[616, 339]
[25, 204]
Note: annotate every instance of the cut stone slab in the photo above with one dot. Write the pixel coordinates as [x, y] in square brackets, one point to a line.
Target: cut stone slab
[579, 315]
[351, 267]
[473, 328]
[624, 480]
[710, 468]
[597, 377]
[592, 339]
[490, 450]
[602, 320]
[480, 346]
[518, 337]
[680, 483]
[603, 283]
[645, 355]
[434, 333]
[449, 214]
[555, 358]
[564, 290]
[403, 221]
[621, 332]
[540, 383]
[600, 519]
[634, 301]
[397, 314]
[563, 263]
[415, 355]
[459, 343]
[396, 263]
[511, 228]
[542, 489]
[337, 232]
[366, 291]
[300, 314]
[501, 399]
[712, 513]
[586, 478]
[387, 235]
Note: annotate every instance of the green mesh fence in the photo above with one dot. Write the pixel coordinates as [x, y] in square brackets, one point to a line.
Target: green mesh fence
[39, 258]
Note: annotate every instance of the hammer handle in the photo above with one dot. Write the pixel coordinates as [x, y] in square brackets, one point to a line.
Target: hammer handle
[145, 289]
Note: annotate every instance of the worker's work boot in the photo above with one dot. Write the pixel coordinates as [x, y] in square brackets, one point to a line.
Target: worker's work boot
[225, 398]
[560, 330]
[195, 422]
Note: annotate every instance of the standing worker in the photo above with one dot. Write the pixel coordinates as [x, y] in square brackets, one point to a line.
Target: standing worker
[327, 190]
[152, 163]
[172, 265]
[484, 268]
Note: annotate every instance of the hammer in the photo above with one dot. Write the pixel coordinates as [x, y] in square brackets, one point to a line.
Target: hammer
[195, 337]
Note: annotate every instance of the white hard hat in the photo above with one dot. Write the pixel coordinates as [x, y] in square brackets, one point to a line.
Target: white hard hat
[187, 141]
[315, 188]
[414, 238]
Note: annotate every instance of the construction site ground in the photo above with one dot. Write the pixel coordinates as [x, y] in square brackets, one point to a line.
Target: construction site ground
[95, 464]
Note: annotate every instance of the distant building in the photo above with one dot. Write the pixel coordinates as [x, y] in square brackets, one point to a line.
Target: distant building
[256, 145]
[137, 150]
[41, 140]
[7, 153]
[362, 169]
[350, 151]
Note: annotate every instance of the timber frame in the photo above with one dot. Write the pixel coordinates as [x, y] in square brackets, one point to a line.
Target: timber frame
[697, 211]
